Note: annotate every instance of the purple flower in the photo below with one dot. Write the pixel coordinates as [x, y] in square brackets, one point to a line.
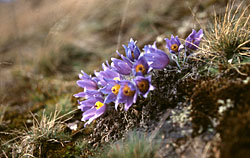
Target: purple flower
[88, 103]
[140, 67]
[89, 84]
[157, 59]
[106, 66]
[132, 51]
[143, 85]
[88, 94]
[112, 89]
[121, 66]
[107, 74]
[193, 40]
[94, 107]
[174, 45]
[125, 59]
[127, 94]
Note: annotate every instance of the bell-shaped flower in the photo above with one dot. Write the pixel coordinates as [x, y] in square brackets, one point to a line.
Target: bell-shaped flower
[111, 89]
[143, 85]
[127, 60]
[156, 58]
[194, 39]
[127, 94]
[89, 84]
[141, 67]
[106, 66]
[107, 74]
[174, 45]
[132, 51]
[95, 108]
[88, 94]
[121, 66]
[88, 103]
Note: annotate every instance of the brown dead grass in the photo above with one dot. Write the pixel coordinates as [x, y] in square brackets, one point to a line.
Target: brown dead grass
[227, 42]
[22, 18]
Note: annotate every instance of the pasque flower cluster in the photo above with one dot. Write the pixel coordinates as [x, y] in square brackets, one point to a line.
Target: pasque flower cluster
[122, 81]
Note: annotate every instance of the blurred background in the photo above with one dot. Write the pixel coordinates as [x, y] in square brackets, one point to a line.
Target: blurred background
[44, 44]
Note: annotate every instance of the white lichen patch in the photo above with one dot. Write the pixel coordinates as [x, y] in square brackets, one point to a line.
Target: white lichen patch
[224, 105]
[181, 117]
[73, 126]
[246, 80]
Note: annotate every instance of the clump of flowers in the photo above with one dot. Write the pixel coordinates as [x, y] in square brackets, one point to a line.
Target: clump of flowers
[191, 44]
[122, 81]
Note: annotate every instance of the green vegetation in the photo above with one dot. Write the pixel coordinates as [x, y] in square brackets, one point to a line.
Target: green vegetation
[134, 146]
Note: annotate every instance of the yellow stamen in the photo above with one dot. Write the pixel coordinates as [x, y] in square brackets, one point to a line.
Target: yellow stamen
[98, 105]
[127, 91]
[140, 68]
[116, 78]
[115, 89]
[143, 86]
[174, 47]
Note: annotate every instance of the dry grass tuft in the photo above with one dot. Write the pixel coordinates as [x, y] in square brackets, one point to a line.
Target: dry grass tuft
[31, 142]
[227, 42]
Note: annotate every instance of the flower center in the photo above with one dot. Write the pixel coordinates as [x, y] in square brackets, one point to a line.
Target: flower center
[143, 86]
[140, 68]
[174, 47]
[98, 105]
[115, 89]
[127, 91]
[116, 78]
